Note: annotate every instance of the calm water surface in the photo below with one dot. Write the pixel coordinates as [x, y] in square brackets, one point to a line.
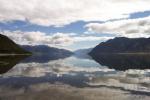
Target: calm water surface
[103, 78]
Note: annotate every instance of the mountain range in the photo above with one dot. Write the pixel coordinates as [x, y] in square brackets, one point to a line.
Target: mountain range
[44, 53]
[117, 45]
[83, 53]
[7, 46]
[44, 49]
[123, 45]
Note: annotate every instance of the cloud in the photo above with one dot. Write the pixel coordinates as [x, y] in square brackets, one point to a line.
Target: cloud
[128, 80]
[39, 38]
[128, 27]
[91, 38]
[58, 67]
[62, 12]
[51, 39]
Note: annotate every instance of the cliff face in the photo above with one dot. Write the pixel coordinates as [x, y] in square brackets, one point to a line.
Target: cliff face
[7, 46]
[123, 45]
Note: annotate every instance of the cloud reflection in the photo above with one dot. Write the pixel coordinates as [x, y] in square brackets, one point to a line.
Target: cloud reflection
[62, 72]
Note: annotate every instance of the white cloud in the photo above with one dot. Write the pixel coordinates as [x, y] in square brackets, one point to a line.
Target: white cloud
[62, 12]
[91, 38]
[54, 39]
[59, 67]
[39, 38]
[129, 28]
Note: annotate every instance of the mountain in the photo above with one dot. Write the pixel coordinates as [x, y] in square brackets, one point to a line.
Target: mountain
[7, 46]
[83, 53]
[122, 45]
[43, 53]
[43, 49]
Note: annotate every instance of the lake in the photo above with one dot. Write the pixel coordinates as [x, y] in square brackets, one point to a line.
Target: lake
[108, 77]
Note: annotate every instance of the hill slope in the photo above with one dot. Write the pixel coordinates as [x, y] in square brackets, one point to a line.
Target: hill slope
[123, 45]
[7, 46]
[43, 51]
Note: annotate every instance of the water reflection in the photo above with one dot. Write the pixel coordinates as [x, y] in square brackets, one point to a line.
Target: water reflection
[79, 78]
[44, 58]
[7, 62]
[124, 62]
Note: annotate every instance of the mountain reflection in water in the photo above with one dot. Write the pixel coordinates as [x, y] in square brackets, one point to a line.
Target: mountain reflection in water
[124, 61]
[71, 77]
[8, 62]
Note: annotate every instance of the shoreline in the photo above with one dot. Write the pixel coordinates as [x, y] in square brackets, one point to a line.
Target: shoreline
[139, 53]
[15, 54]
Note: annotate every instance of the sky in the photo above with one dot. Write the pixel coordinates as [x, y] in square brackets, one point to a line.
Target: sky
[73, 24]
